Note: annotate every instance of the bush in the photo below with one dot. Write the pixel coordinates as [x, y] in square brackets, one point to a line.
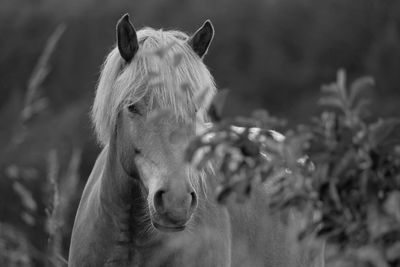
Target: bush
[341, 171]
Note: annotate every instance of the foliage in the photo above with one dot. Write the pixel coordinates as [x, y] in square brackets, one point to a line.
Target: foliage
[280, 51]
[16, 247]
[342, 172]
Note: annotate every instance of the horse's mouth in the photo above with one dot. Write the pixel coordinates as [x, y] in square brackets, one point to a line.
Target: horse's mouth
[169, 228]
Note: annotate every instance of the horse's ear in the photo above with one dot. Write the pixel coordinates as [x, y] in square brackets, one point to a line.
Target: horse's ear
[126, 38]
[201, 39]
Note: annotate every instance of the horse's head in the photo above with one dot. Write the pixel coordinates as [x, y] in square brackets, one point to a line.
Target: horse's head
[145, 104]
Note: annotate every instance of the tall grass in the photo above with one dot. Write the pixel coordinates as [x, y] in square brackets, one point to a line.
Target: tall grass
[16, 249]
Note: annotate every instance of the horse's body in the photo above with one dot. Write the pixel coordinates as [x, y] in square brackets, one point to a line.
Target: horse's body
[141, 205]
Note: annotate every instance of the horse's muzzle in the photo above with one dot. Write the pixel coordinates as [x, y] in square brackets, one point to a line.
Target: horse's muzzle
[172, 211]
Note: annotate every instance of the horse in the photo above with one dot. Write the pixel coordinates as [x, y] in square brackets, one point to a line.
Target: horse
[142, 204]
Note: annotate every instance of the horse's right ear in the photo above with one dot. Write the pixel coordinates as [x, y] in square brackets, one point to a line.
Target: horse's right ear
[126, 38]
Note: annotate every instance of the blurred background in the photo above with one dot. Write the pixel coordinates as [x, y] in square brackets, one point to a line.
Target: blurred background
[271, 54]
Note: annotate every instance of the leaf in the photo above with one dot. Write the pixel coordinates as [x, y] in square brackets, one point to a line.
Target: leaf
[27, 218]
[191, 150]
[203, 98]
[341, 82]
[334, 194]
[13, 171]
[308, 230]
[331, 102]
[158, 115]
[344, 163]
[361, 107]
[249, 148]
[185, 87]
[331, 89]
[372, 255]
[177, 59]
[265, 120]
[380, 130]
[393, 252]
[204, 158]
[223, 193]
[161, 52]
[26, 196]
[39, 105]
[392, 205]
[242, 190]
[378, 225]
[358, 88]
[217, 105]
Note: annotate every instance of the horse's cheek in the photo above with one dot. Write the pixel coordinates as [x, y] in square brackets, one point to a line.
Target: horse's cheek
[148, 172]
[131, 137]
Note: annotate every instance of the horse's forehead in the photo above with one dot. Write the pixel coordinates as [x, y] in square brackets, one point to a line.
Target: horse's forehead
[166, 120]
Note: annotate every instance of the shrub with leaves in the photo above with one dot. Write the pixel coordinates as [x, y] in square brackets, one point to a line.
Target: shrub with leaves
[342, 171]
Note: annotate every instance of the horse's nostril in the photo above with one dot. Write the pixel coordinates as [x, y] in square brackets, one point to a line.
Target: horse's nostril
[158, 201]
[193, 203]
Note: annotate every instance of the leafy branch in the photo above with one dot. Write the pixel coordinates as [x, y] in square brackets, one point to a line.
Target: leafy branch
[340, 171]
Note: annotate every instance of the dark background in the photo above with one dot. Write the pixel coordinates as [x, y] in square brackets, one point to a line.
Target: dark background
[271, 54]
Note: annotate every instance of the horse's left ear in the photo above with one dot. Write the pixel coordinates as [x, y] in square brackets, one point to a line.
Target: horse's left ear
[126, 38]
[201, 39]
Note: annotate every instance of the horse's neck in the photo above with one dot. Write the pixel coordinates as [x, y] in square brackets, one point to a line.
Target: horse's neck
[122, 197]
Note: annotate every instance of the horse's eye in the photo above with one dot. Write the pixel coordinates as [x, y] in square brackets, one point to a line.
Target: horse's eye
[134, 109]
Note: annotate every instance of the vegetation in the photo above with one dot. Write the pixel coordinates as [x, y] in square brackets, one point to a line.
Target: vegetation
[341, 172]
[16, 247]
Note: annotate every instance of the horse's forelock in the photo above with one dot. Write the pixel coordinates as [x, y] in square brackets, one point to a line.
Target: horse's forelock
[119, 84]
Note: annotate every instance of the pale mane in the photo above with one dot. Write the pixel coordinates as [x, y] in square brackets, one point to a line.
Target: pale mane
[170, 80]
